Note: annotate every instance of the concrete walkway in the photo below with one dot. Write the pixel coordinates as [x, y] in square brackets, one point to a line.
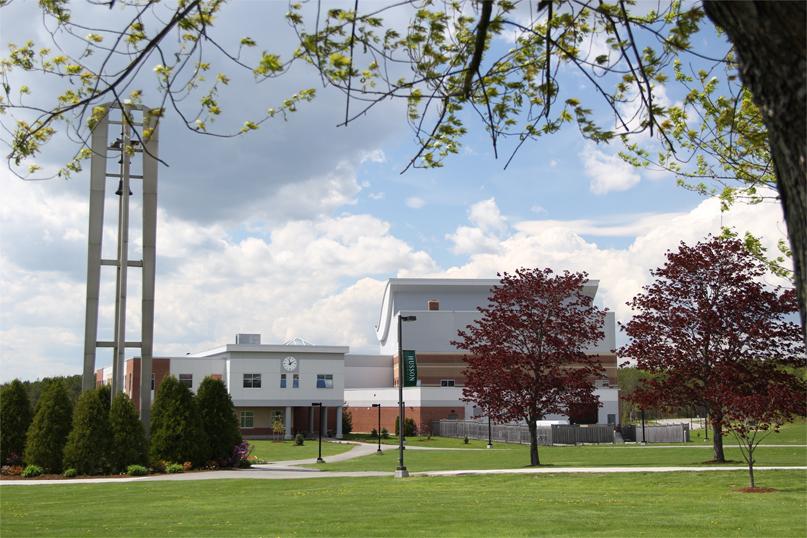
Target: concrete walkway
[290, 470]
[291, 474]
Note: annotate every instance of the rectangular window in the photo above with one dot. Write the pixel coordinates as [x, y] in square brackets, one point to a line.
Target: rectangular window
[247, 419]
[187, 380]
[324, 381]
[295, 381]
[252, 381]
[446, 382]
[282, 381]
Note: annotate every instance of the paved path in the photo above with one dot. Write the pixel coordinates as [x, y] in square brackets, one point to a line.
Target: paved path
[287, 474]
[288, 470]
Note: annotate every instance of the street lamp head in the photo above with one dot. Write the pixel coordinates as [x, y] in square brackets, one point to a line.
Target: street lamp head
[408, 318]
[376, 405]
[316, 404]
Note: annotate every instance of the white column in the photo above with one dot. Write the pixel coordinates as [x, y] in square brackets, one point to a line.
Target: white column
[339, 422]
[289, 411]
[311, 416]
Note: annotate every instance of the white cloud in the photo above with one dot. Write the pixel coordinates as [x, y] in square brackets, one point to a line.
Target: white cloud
[415, 202]
[376, 196]
[607, 172]
[485, 235]
[553, 163]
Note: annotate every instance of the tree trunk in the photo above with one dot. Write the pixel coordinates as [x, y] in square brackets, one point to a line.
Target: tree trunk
[533, 427]
[751, 467]
[771, 41]
[717, 440]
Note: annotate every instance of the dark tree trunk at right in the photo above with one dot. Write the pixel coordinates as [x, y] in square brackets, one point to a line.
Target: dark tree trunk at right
[771, 41]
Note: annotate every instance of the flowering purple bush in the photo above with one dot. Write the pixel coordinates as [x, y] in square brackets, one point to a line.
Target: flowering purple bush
[241, 452]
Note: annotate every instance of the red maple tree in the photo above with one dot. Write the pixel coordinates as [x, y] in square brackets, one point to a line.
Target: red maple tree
[705, 324]
[765, 397]
[527, 352]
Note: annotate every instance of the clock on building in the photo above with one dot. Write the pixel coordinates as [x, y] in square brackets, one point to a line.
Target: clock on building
[289, 364]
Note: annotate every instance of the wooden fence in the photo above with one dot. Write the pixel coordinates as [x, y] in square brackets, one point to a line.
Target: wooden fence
[511, 433]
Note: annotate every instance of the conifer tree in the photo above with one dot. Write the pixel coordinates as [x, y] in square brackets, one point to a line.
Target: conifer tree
[49, 429]
[15, 418]
[88, 445]
[176, 427]
[105, 394]
[128, 439]
[218, 419]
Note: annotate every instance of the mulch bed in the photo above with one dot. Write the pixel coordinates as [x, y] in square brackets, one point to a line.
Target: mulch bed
[757, 490]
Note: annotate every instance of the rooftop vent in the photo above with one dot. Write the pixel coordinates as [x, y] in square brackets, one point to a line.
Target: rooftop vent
[297, 341]
[432, 304]
[248, 339]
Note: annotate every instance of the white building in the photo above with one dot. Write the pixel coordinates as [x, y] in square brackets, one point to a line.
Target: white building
[272, 384]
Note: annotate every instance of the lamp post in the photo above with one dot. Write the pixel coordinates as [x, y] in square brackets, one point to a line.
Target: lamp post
[401, 471]
[644, 439]
[490, 434]
[319, 456]
[378, 431]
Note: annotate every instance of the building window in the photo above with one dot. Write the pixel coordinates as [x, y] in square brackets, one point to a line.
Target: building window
[247, 419]
[282, 381]
[446, 382]
[187, 380]
[295, 381]
[252, 381]
[324, 381]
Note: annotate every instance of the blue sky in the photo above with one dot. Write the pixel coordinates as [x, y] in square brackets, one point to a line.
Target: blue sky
[301, 223]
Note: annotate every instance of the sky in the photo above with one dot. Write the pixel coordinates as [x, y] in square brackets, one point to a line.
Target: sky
[295, 229]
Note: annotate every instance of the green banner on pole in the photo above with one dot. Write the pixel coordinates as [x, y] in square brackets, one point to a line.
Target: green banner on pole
[410, 368]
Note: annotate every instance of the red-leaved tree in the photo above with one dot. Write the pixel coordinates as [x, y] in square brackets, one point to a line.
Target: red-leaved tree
[526, 354]
[765, 397]
[705, 324]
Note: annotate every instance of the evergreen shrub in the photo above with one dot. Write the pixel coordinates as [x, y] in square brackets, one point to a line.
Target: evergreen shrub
[218, 419]
[89, 443]
[177, 433]
[129, 445]
[47, 435]
[15, 417]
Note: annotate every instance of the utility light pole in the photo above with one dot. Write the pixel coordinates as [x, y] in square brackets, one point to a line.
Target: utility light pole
[401, 471]
[378, 431]
[319, 456]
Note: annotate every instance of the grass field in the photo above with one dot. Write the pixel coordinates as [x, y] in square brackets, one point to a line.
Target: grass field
[273, 451]
[677, 504]
[508, 456]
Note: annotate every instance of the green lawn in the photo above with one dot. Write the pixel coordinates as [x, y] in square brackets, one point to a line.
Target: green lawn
[504, 456]
[791, 434]
[286, 450]
[676, 504]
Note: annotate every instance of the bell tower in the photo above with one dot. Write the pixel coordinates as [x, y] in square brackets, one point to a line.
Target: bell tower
[130, 163]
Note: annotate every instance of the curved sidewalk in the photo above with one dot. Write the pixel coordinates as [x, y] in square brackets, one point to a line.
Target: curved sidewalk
[292, 474]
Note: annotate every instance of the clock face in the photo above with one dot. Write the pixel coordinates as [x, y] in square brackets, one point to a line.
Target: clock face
[289, 364]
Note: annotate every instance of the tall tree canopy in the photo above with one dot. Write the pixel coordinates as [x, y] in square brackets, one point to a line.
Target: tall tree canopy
[527, 353]
[707, 325]
[451, 61]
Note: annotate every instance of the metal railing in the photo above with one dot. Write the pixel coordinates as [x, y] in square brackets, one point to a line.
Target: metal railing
[512, 433]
